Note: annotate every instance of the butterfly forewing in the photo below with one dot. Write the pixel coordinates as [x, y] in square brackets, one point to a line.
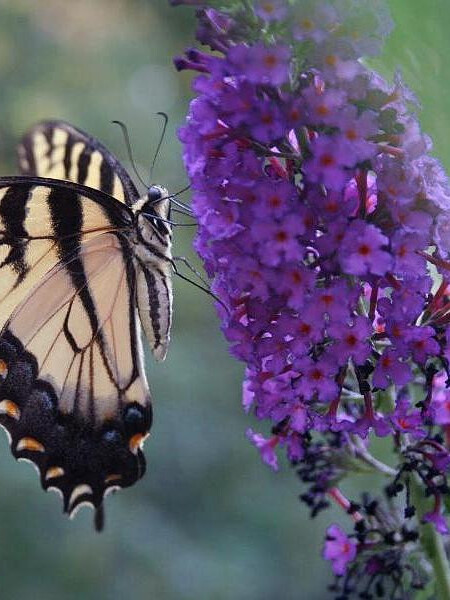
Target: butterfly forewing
[73, 393]
[83, 407]
[39, 221]
[59, 150]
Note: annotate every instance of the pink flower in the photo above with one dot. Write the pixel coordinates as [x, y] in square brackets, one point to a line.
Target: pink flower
[440, 403]
[339, 549]
[266, 447]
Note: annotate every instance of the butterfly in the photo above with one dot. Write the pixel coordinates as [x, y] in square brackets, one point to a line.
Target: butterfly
[84, 263]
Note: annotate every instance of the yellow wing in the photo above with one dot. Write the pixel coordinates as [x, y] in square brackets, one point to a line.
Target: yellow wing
[41, 222]
[59, 150]
[73, 394]
[74, 397]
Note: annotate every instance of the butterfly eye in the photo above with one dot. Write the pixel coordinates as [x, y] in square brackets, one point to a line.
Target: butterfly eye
[154, 194]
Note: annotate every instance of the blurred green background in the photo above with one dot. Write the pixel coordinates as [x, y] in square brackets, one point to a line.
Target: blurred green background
[209, 521]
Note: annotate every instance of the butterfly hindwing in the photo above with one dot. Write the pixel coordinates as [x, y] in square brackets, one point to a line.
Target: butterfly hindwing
[73, 393]
[59, 150]
[74, 397]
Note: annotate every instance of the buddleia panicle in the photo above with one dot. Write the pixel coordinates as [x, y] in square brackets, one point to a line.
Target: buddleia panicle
[321, 213]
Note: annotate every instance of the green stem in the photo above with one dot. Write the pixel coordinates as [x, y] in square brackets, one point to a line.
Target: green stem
[362, 453]
[434, 547]
[432, 542]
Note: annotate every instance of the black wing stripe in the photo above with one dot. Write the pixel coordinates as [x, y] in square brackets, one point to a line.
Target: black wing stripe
[153, 249]
[83, 165]
[67, 161]
[28, 155]
[73, 165]
[69, 336]
[76, 406]
[91, 399]
[163, 281]
[106, 178]
[117, 213]
[153, 304]
[13, 215]
[131, 281]
[67, 222]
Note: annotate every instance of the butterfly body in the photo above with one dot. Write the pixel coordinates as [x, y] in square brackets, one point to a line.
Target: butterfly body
[84, 261]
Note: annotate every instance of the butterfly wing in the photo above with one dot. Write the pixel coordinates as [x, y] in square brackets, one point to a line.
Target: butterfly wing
[59, 150]
[40, 220]
[73, 393]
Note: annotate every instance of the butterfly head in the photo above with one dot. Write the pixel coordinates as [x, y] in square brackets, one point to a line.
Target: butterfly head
[154, 207]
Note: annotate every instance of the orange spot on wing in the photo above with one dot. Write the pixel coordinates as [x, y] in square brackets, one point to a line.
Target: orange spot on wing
[10, 408]
[30, 444]
[113, 477]
[54, 472]
[137, 441]
[3, 369]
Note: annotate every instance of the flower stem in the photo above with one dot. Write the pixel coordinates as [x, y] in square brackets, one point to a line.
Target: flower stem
[432, 542]
[338, 497]
[362, 453]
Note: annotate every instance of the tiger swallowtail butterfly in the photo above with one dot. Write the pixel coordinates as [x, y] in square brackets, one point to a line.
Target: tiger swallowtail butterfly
[84, 262]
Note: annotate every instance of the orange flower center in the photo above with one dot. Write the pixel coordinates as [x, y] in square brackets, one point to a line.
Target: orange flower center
[268, 7]
[386, 361]
[351, 339]
[323, 110]
[327, 299]
[305, 329]
[327, 160]
[316, 375]
[275, 201]
[270, 60]
[281, 236]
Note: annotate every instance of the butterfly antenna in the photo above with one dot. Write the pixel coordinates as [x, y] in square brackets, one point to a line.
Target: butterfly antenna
[182, 212]
[126, 137]
[166, 120]
[178, 202]
[195, 284]
[185, 209]
[181, 204]
[192, 269]
[172, 223]
[185, 189]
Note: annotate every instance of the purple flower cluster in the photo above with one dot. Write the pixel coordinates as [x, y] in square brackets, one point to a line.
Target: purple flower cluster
[320, 212]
